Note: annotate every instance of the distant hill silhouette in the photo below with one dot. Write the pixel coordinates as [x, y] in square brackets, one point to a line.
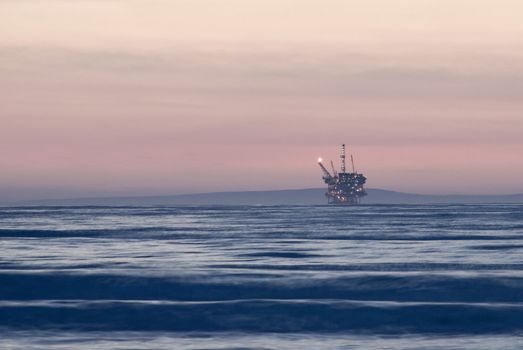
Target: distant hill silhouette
[302, 196]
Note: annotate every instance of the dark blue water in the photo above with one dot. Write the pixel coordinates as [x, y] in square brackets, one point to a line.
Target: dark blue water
[262, 277]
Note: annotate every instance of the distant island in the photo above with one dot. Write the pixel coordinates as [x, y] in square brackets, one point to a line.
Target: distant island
[311, 196]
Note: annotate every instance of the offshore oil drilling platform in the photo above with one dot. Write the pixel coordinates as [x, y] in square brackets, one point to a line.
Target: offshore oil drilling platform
[343, 187]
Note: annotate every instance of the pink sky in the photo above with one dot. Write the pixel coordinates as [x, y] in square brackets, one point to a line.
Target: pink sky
[165, 97]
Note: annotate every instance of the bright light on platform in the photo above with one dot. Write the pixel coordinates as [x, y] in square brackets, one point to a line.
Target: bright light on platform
[319, 160]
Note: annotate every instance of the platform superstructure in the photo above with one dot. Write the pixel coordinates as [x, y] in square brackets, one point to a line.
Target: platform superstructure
[343, 187]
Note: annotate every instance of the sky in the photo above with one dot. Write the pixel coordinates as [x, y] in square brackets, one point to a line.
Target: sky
[138, 97]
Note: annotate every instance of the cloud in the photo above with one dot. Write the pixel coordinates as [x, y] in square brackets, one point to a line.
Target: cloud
[336, 74]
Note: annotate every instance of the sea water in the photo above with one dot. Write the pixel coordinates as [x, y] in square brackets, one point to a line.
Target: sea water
[262, 277]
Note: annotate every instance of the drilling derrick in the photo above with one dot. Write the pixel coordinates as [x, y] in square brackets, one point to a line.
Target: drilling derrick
[343, 187]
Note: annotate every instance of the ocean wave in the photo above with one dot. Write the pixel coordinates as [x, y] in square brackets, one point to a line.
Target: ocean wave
[205, 287]
[266, 316]
[192, 232]
[367, 269]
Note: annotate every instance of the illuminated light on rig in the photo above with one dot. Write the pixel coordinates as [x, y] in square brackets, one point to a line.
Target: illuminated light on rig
[320, 160]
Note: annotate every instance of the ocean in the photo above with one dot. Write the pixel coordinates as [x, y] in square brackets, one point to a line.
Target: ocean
[262, 277]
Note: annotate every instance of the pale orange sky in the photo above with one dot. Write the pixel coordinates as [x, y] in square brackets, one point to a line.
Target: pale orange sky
[147, 96]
